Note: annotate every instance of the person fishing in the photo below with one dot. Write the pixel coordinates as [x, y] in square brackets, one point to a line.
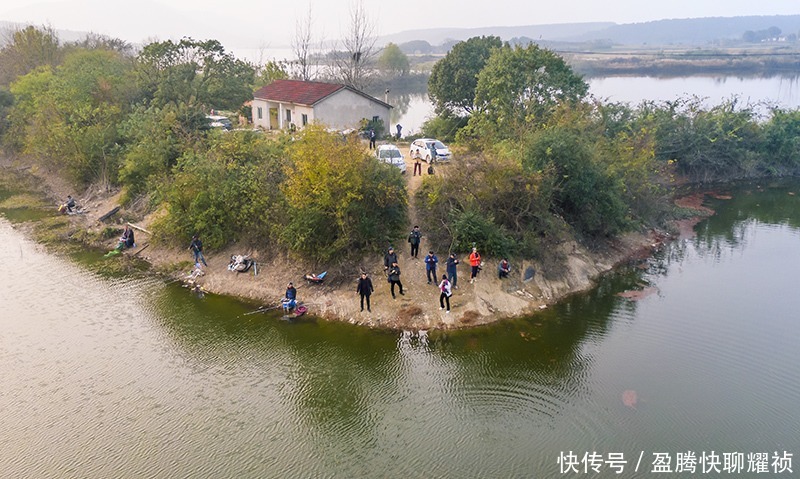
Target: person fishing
[127, 238]
[196, 247]
[289, 301]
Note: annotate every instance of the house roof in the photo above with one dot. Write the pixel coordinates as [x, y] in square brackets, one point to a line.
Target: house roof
[305, 92]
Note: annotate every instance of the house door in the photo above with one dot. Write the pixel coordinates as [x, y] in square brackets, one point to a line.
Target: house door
[273, 118]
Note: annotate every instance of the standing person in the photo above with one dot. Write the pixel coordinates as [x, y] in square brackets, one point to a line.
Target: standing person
[417, 163]
[389, 258]
[444, 287]
[289, 301]
[414, 238]
[394, 278]
[430, 266]
[434, 153]
[399, 129]
[196, 247]
[503, 268]
[452, 274]
[364, 289]
[371, 138]
[475, 263]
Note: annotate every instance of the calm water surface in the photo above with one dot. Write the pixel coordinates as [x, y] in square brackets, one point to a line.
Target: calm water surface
[128, 377]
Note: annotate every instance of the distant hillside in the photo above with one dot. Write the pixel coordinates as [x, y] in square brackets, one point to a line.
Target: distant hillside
[690, 31]
[437, 36]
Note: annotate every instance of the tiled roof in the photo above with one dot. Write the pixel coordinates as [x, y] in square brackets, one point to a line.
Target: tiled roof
[294, 91]
[304, 92]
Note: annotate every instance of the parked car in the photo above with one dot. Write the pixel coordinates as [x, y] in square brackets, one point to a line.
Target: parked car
[425, 146]
[219, 121]
[391, 155]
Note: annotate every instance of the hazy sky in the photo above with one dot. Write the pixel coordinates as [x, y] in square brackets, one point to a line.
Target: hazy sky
[271, 23]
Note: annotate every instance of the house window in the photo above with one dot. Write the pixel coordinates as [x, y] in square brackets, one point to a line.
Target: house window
[305, 119]
[289, 115]
[260, 113]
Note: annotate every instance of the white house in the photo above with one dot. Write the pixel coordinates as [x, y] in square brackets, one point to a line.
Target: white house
[284, 103]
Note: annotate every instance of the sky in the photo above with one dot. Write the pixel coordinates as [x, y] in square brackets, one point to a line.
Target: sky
[272, 23]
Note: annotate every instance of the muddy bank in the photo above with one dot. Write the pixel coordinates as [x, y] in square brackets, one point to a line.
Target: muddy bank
[486, 300]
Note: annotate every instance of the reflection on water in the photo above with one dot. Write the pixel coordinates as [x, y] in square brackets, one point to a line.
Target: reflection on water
[783, 91]
[129, 377]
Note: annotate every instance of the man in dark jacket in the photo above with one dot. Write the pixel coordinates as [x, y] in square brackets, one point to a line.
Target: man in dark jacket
[364, 289]
[196, 247]
[389, 258]
[414, 238]
[430, 266]
[394, 278]
[452, 273]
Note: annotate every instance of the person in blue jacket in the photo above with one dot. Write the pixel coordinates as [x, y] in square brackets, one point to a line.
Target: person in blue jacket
[430, 266]
[289, 301]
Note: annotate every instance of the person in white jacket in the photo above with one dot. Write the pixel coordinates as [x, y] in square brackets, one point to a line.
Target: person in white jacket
[444, 287]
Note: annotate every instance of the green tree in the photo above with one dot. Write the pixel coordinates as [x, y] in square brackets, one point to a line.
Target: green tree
[455, 77]
[226, 190]
[71, 116]
[194, 72]
[520, 87]
[585, 194]
[393, 61]
[270, 72]
[154, 139]
[341, 200]
[28, 49]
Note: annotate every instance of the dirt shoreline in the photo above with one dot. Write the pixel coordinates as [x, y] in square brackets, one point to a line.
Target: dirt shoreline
[488, 300]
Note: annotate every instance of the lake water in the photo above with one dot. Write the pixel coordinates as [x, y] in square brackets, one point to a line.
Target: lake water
[412, 110]
[131, 377]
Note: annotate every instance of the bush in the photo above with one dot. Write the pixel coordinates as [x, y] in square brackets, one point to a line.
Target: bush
[341, 200]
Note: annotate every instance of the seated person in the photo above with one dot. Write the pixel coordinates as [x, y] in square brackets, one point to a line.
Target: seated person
[503, 269]
[289, 302]
[126, 240]
[70, 203]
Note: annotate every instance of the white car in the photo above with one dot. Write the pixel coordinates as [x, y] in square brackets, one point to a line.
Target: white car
[426, 146]
[219, 121]
[391, 155]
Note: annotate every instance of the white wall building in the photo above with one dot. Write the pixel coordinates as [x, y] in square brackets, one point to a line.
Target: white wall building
[284, 103]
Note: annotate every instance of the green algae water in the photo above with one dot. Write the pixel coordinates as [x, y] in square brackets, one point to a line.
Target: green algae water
[130, 377]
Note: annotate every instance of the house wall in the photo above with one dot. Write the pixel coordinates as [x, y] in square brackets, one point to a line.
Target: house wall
[282, 123]
[345, 109]
[263, 122]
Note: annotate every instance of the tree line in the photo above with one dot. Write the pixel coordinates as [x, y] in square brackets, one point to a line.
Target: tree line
[103, 115]
[550, 162]
[542, 161]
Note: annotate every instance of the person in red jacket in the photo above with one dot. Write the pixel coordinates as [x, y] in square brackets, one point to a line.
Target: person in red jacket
[475, 262]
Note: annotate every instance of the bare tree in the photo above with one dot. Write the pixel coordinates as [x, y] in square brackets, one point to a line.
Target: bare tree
[357, 50]
[301, 46]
